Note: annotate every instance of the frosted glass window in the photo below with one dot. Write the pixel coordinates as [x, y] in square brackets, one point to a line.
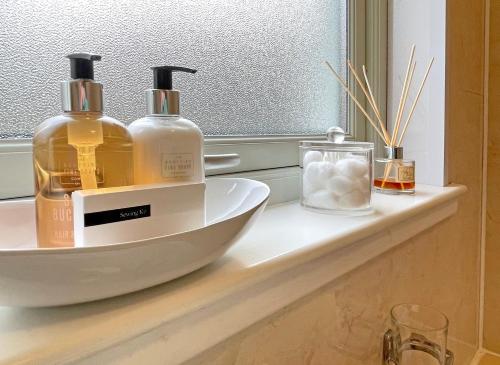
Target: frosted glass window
[260, 62]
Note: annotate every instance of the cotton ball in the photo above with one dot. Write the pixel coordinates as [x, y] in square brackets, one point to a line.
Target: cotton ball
[312, 156]
[327, 170]
[316, 174]
[322, 199]
[352, 167]
[354, 199]
[308, 187]
[311, 180]
[364, 184]
[340, 185]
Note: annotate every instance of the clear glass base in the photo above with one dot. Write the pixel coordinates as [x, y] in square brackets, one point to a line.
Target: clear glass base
[350, 212]
[393, 191]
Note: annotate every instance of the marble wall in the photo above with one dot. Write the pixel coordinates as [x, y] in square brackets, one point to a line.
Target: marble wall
[492, 254]
[342, 323]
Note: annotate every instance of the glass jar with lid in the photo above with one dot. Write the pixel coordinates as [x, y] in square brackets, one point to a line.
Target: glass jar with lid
[337, 175]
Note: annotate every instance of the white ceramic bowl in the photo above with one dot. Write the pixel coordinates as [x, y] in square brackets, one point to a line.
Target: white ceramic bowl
[37, 277]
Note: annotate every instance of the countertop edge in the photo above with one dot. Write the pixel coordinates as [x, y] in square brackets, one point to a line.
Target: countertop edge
[225, 313]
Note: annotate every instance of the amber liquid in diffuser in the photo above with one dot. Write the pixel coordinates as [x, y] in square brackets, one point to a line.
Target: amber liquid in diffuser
[57, 174]
[393, 184]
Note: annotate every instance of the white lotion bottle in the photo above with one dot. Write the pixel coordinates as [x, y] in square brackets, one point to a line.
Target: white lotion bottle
[167, 147]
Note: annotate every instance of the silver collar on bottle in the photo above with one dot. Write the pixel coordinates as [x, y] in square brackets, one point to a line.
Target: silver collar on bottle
[81, 95]
[159, 101]
[394, 153]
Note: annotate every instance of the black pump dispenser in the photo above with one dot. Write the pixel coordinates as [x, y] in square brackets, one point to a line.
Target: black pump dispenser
[163, 99]
[163, 75]
[82, 93]
[82, 65]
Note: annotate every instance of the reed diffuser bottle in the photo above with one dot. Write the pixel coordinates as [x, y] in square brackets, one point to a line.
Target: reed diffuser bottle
[392, 174]
[79, 149]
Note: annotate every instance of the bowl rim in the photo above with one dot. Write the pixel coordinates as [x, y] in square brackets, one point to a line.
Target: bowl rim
[151, 240]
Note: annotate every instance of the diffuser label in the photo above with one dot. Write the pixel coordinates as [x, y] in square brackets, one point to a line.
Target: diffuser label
[116, 215]
[177, 165]
[406, 174]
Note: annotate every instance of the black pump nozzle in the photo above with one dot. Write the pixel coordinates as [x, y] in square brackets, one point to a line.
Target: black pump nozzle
[163, 75]
[82, 65]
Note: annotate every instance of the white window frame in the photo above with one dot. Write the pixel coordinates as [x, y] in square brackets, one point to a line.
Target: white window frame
[367, 44]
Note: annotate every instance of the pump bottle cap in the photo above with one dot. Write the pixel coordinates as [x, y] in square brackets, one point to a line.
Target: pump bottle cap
[82, 93]
[163, 99]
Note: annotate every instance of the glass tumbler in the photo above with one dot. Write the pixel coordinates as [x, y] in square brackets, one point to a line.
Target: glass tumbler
[418, 336]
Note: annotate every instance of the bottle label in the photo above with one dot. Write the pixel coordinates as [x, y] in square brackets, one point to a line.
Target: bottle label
[177, 165]
[69, 180]
[406, 174]
[55, 225]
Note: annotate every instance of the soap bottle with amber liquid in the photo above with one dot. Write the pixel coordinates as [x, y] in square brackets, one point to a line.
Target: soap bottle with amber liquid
[79, 149]
[393, 174]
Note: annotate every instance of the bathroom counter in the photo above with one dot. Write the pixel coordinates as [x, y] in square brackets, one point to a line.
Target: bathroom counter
[289, 253]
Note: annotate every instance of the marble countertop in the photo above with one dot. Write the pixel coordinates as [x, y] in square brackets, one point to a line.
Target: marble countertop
[287, 254]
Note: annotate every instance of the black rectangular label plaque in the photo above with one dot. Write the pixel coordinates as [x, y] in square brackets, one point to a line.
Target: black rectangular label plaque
[116, 215]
